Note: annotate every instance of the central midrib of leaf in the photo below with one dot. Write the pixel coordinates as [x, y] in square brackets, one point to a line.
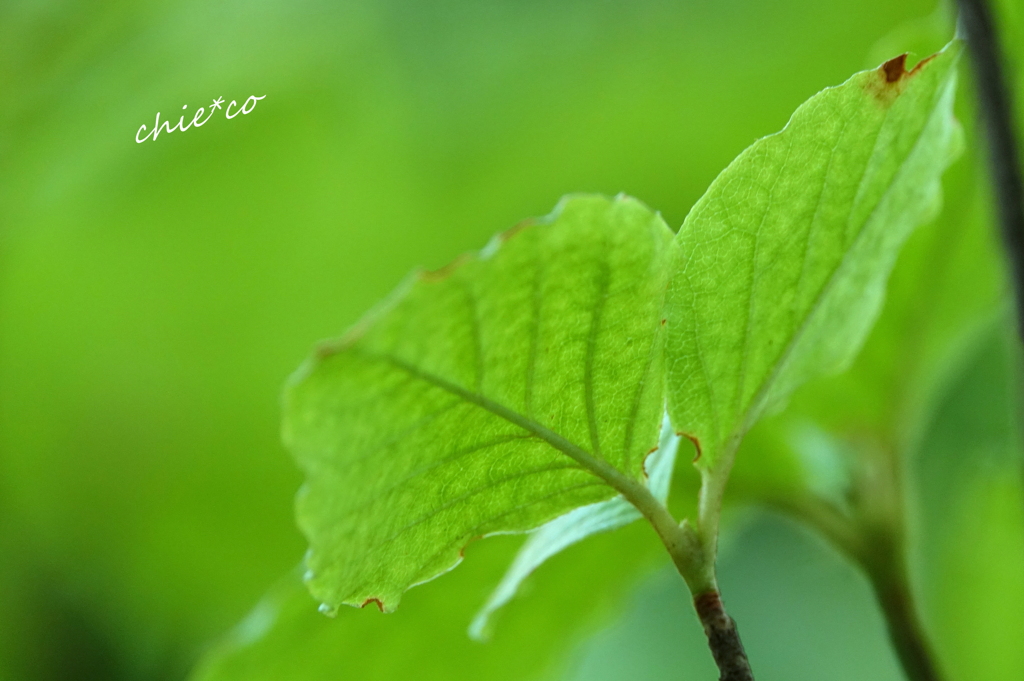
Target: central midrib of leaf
[603, 470]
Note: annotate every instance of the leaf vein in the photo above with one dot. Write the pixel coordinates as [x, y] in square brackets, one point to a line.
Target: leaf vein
[603, 282]
[451, 458]
[519, 475]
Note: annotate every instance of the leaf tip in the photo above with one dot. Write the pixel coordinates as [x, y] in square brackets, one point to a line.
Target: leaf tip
[892, 76]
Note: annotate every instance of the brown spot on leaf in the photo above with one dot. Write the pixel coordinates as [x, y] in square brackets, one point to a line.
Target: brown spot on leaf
[448, 270]
[462, 551]
[644, 464]
[326, 349]
[380, 604]
[663, 322]
[696, 444]
[921, 63]
[895, 68]
[892, 78]
[512, 231]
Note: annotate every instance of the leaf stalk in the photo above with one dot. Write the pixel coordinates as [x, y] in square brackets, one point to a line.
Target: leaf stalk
[693, 552]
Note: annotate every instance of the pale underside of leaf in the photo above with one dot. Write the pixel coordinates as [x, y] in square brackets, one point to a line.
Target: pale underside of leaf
[780, 268]
[575, 526]
[488, 397]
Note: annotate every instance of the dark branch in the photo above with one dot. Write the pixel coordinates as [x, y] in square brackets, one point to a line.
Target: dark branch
[996, 107]
[723, 638]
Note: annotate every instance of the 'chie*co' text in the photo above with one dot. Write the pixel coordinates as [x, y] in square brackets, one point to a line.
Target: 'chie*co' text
[198, 120]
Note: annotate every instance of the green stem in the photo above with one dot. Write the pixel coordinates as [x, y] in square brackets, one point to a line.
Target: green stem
[694, 558]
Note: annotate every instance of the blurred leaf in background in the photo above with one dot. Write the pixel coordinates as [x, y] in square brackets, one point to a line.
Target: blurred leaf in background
[154, 296]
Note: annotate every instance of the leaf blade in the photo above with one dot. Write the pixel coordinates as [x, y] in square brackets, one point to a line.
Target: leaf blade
[781, 266]
[488, 397]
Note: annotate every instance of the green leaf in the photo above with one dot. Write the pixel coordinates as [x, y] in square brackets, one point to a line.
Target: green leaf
[488, 397]
[780, 269]
[575, 526]
[947, 284]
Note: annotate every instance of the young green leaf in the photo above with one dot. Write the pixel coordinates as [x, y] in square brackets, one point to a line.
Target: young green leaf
[491, 396]
[947, 285]
[944, 290]
[780, 268]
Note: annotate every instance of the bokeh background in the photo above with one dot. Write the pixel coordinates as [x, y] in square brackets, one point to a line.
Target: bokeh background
[153, 298]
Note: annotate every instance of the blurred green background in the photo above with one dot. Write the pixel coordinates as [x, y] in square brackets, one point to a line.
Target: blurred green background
[153, 297]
